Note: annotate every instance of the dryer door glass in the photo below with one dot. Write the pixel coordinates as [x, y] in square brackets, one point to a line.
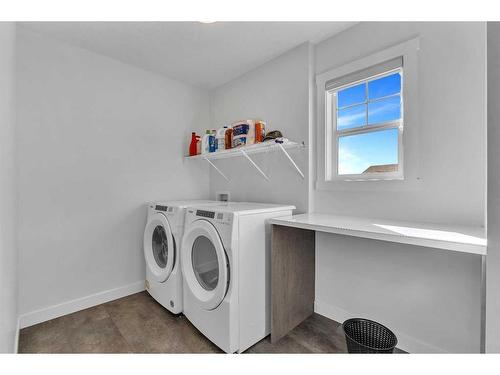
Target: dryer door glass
[205, 263]
[160, 246]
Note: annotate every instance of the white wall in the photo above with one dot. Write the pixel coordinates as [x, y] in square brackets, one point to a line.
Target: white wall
[93, 146]
[8, 196]
[493, 259]
[97, 139]
[277, 92]
[452, 124]
[432, 298]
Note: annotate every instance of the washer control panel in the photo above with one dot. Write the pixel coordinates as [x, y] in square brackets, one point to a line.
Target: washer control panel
[161, 208]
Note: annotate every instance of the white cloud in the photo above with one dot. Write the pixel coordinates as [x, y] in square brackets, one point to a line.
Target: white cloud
[349, 162]
[347, 121]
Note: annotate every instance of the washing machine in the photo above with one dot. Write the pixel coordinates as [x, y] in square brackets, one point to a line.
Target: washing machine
[226, 271]
[162, 240]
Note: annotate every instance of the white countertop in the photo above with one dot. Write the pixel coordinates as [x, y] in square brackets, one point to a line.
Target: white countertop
[463, 239]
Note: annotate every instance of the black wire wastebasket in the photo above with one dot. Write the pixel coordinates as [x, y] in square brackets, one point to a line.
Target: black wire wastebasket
[367, 336]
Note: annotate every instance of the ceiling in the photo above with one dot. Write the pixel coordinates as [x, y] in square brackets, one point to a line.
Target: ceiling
[204, 55]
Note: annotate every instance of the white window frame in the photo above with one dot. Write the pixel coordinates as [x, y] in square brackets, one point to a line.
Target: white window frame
[408, 153]
[332, 140]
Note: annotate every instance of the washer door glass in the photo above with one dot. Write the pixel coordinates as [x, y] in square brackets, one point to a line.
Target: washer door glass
[205, 263]
[160, 246]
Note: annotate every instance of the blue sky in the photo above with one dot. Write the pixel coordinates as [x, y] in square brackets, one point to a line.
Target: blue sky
[358, 152]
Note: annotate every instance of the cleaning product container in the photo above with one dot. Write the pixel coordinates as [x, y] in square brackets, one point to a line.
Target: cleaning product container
[220, 139]
[211, 141]
[229, 138]
[240, 132]
[193, 146]
[367, 336]
[251, 132]
[205, 142]
[260, 131]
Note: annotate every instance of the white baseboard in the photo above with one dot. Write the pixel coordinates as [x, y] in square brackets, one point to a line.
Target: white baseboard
[55, 311]
[405, 342]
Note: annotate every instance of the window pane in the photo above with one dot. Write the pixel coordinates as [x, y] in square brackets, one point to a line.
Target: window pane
[375, 152]
[351, 95]
[351, 117]
[384, 86]
[384, 110]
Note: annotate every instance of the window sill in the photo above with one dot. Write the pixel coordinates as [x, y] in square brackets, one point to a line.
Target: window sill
[368, 177]
[393, 184]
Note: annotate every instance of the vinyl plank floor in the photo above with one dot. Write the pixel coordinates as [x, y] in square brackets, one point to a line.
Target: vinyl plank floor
[138, 324]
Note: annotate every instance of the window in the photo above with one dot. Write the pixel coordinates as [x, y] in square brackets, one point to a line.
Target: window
[365, 124]
[367, 113]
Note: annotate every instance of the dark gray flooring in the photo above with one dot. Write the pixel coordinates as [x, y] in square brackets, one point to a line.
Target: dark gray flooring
[138, 324]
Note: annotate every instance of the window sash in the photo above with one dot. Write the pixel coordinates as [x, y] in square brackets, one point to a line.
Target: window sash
[325, 181]
[367, 101]
[370, 128]
[331, 90]
[369, 176]
[364, 75]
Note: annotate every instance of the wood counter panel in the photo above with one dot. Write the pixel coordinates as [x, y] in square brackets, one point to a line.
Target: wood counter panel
[292, 278]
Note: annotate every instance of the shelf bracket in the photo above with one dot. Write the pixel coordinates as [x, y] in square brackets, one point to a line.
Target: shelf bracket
[255, 165]
[291, 160]
[217, 169]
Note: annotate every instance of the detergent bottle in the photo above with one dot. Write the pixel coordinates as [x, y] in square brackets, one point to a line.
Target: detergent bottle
[220, 139]
[251, 133]
[211, 141]
[240, 132]
[205, 142]
[260, 131]
[193, 146]
[229, 138]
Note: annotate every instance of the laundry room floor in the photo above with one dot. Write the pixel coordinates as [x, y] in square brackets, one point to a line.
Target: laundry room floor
[138, 324]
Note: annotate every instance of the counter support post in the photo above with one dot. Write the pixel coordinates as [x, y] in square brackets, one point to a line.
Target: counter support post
[482, 348]
[292, 278]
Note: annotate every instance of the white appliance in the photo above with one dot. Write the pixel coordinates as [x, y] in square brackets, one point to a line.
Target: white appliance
[226, 271]
[162, 240]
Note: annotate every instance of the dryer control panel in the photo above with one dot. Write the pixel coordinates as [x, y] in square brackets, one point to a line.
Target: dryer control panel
[220, 217]
[203, 213]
